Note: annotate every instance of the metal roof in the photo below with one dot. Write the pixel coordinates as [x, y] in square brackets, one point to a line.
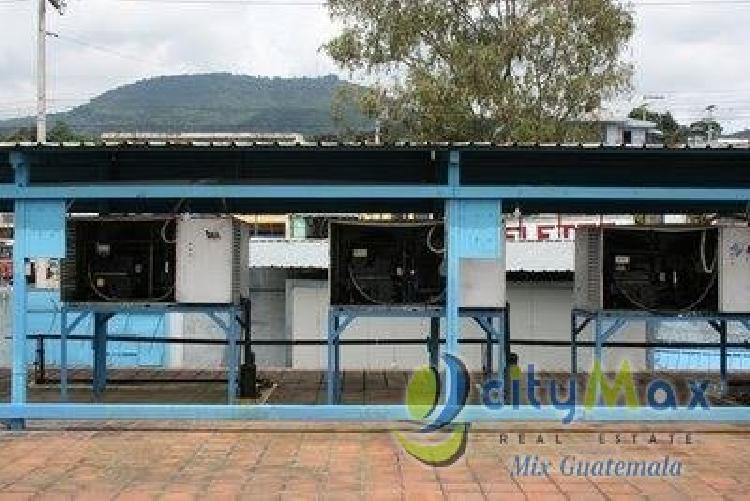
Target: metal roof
[525, 256]
[411, 166]
[293, 253]
[540, 256]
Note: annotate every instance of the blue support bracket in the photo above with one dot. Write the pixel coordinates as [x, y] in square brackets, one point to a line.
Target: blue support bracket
[340, 317]
[337, 324]
[605, 329]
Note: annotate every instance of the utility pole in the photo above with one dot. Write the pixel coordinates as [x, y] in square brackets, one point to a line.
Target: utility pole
[41, 67]
[41, 73]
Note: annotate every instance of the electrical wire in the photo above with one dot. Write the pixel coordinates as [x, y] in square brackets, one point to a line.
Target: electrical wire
[361, 291]
[706, 269]
[110, 299]
[687, 308]
[163, 231]
[430, 245]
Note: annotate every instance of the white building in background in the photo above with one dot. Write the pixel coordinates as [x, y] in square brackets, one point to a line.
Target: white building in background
[629, 131]
[289, 294]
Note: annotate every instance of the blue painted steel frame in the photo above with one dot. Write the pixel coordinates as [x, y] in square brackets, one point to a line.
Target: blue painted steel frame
[607, 323]
[103, 312]
[19, 410]
[340, 317]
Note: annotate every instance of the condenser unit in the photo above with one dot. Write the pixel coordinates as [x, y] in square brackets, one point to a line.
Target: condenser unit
[663, 269]
[403, 264]
[184, 259]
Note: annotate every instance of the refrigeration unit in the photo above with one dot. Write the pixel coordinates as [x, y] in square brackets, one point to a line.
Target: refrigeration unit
[184, 259]
[403, 264]
[663, 269]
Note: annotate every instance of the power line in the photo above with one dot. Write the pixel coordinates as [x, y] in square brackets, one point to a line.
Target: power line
[100, 48]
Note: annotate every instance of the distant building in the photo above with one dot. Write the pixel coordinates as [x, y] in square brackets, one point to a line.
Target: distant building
[629, 131]
[199, 137]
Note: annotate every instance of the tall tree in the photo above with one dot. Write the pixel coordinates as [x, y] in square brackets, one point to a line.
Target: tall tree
[484, 69]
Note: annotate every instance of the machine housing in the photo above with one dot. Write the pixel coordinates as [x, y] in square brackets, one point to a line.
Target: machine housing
[402, 264]
[663, 268]
[185, 259]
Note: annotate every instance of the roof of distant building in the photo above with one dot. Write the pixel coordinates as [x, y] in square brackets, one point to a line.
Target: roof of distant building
[630, 123]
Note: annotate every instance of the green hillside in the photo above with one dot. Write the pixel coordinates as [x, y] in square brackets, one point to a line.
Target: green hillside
[218, 102]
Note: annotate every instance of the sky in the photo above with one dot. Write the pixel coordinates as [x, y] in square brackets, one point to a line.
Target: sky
[687, 56]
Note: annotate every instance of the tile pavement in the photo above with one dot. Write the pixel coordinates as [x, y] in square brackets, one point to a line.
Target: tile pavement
[130, 461]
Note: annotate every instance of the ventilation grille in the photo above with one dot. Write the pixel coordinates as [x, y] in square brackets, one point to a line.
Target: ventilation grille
[236, 260]
[68, 278]
[594, 268]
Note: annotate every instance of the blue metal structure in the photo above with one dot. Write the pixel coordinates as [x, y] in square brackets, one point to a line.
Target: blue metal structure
[225, 316]
[43, 319]
[492, 321]
[42, 182]
[607, 323]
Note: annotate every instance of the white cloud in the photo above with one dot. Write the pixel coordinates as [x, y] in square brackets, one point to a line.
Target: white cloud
[693, 56]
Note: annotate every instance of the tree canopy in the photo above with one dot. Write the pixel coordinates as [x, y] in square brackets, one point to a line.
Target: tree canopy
[60, 132]
[483, 69]
[673, 132]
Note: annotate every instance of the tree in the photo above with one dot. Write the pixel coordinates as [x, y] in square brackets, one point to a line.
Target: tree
[710, 129]
[61, 132]
[673, 132]
[484, 69]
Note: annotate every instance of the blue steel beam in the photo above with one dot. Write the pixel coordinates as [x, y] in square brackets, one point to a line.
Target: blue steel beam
[453, 258]
[20, 298]
[361, 413]
[374, 191]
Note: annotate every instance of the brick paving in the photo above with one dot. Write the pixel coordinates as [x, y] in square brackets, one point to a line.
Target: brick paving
[286, 461]
[247, 460]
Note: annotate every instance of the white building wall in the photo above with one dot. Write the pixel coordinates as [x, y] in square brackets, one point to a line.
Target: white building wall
[613, 134]
[638, 136]
[541, 310]
[538, 311]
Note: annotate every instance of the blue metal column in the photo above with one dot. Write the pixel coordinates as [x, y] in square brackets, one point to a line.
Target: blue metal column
[502, 362]
[723, 356]
[573, 345]
[63, 352]
[99, 346]
[452, 221]
[598, 339]
[20, 300]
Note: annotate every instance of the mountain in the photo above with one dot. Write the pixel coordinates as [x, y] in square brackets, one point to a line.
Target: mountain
[216, 102]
